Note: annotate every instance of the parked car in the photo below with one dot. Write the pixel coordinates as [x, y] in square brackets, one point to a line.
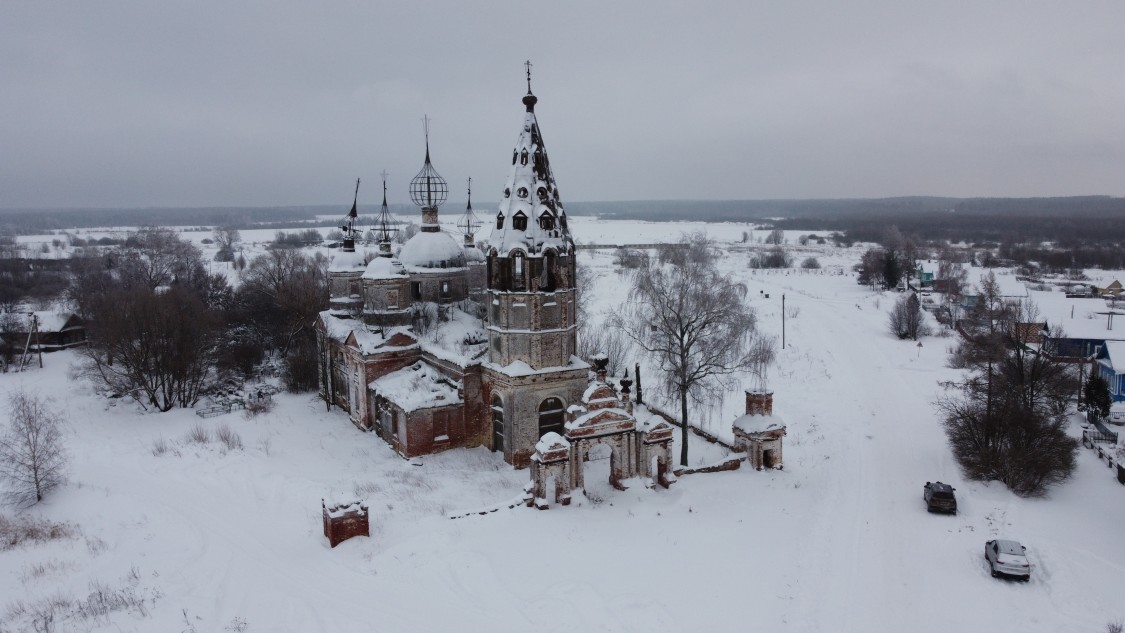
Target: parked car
[1007, 558]
[939, 497]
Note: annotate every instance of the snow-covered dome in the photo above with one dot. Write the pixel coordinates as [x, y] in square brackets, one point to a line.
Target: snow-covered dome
[474, 254]
[384, 268]
[346, 262]
[432, 250]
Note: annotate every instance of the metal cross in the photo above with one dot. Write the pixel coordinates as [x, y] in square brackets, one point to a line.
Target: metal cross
[527, 65]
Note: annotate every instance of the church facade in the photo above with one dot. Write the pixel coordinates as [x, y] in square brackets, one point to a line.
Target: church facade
[446, 344]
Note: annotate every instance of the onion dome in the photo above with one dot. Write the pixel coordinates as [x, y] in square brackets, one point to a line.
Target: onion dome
[384, 268]
[346, 261]
[432, 250]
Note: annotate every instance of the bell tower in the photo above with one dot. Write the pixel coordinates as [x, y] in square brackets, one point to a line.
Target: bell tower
[530, 298]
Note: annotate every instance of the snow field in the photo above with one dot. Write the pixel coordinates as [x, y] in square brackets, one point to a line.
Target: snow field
[840, 540]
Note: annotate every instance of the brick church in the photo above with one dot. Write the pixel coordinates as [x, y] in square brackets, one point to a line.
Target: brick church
[449, 344]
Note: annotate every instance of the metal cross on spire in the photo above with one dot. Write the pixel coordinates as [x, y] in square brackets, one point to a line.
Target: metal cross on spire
[527, 65]
[426, 130]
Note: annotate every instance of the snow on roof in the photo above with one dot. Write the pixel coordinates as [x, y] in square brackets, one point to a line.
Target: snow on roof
[614, 414]
[384, 268]
[531, 190]
[521, 368]
[432, 250]
[929, 267]
[1009, 286]
[1079, 318]
[474, 254]
[1116, 352]
[458, 340]
[551, 440]
[52, 321]
[340, 328]
[751, 423]
[418, 386]
[346, 261]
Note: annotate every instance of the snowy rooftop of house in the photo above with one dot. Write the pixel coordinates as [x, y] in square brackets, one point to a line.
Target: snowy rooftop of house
[1116, 351]
[51, 321]
[751, 423]
[531, 191]
[1007, 283]
[384, 268]
[418, 386]
[929, 266]
[426, 250]
[1078, 317]
[346, 261]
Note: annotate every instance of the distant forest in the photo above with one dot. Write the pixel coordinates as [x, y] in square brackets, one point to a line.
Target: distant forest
[1070, 222]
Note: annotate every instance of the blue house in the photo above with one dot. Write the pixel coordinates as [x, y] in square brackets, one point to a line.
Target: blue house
[1110, 353]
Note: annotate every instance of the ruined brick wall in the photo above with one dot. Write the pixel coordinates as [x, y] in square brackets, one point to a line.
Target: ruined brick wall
[430, 284]
[341, 526]
[759, 403]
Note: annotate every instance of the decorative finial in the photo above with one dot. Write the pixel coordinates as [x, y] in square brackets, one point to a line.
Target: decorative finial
[530, 99]
[470, 194]
[426, 130]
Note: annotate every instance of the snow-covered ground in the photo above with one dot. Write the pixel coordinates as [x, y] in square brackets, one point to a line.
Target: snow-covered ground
[839, 540]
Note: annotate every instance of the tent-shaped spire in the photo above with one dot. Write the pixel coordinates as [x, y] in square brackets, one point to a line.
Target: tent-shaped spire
[531, 214]
[348, 227]
[386, 226]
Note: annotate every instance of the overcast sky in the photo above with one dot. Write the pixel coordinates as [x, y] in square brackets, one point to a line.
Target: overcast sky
[207, 102]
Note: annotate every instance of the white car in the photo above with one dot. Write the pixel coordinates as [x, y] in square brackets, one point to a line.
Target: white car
[1007, 558]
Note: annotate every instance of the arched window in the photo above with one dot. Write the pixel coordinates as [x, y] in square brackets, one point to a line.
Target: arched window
[519, 221]
[497, 423]
[522, 192]
[518, 277]
[523, 157]
[551, 416]
[514, 155]
[546, 222]
[507, 192]
[547, 280]
[542, 193]
[500, 220]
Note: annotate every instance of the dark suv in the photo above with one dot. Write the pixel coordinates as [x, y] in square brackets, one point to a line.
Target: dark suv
[939, 497]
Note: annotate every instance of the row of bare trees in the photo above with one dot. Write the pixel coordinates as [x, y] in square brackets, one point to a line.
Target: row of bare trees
[161, 328]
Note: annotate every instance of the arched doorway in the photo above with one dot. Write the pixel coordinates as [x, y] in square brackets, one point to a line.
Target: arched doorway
[551, 416]
[597, 472]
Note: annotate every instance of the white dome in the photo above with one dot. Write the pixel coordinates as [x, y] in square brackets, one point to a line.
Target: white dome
[384, 268]
[474, 254]
[432, 250]
[345, 261]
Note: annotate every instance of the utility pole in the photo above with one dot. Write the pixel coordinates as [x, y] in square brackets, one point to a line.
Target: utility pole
[782, 321]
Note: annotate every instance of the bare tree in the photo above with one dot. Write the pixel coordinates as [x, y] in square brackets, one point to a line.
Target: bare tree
[1009, 421]
[907, 320]
[776, 236]
[693, 321]
[33, 459]
[156, 347]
